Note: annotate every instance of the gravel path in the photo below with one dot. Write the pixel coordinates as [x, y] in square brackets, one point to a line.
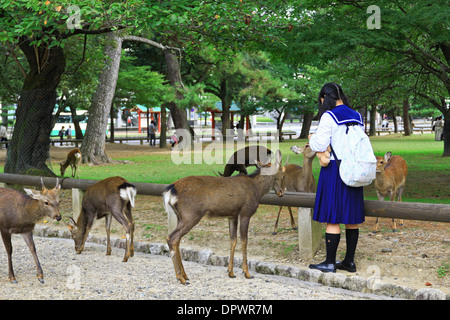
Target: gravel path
[93, 275]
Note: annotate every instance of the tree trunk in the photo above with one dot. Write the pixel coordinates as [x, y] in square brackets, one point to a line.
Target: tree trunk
[307, 119]
[76, 122]
[446, 136]
[226, 103]
[93, 147]
[163, 133]
[406, 122]
[179, 116]
[280, 123]
[30, 144]
[373, 122]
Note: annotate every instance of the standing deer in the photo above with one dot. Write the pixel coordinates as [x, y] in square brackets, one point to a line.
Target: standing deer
[235, 198]
[390, 180]
[73, 159]
[244, 158]
[112, 196]
[299, 179]
[19, 214]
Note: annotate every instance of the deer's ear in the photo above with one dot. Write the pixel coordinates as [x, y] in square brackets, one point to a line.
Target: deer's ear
[34, 194]
[278, 157]
[72, 224]
[387, 156]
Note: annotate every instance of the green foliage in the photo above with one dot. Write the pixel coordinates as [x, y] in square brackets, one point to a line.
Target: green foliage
[139, 85]
[443, 270]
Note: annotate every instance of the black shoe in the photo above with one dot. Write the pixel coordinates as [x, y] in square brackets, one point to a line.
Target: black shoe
[324, 267]
[348, 266]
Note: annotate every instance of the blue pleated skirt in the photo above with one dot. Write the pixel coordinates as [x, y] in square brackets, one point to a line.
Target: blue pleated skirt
[335, 201]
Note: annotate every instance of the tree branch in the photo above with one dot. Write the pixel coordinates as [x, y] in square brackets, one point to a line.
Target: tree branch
[150, 42]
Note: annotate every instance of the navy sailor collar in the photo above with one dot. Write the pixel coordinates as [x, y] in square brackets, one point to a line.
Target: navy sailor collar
[342, 114]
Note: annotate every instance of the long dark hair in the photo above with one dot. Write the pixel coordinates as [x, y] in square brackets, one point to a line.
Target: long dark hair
[330, 92]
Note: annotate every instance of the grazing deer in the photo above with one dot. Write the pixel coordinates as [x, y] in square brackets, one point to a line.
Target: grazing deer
[19, 214]
[235, 198]
[244, 158]
[390, 181]
[112, 196]
[73, 159]
[299, 179]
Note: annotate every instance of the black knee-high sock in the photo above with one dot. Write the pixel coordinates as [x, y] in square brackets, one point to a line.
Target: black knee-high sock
[351, 237]
[331, 243]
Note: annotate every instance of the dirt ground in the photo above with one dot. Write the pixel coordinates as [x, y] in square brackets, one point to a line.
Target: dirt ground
[417, 256]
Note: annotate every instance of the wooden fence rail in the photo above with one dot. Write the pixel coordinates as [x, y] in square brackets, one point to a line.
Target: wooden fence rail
[309, 231]
[373, 208]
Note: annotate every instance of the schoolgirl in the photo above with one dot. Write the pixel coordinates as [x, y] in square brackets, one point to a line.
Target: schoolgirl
[336, 203]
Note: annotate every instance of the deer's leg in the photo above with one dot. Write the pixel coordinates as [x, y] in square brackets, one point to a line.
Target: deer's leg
[376, 226]
[276, 222]
[173, 241]
[377, 223]
[392, 198]
[399, 198]
[394, 225]
[129, 216]
[8, 247]
[244, 237]
[293, 225]
[28, 237]
[232, 225]
[128, 227]
[108, 219]
[91, 216]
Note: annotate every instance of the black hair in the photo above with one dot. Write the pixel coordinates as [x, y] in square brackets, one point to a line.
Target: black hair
[330, 92]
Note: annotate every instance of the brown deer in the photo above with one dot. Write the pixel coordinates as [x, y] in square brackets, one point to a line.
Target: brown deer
[244, 158]
[111, 197]
[390, 181]
[299, 179]
[19, 214]
[235, 198]
[73, 159]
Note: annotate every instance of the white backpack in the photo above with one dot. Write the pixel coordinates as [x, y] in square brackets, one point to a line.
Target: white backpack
[357, 166]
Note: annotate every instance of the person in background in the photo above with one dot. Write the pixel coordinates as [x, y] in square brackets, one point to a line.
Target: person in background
[152, 133]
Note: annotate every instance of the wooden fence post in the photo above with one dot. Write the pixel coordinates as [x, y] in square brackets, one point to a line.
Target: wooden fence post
[77, 199]
[309, 234]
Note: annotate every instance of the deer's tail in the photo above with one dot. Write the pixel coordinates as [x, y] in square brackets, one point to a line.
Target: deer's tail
[128, 192]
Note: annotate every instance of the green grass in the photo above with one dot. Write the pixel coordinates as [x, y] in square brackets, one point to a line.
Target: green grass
[428, 172]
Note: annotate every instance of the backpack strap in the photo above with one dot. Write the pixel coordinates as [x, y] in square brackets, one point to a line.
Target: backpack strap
[348, 124]
[338, 162]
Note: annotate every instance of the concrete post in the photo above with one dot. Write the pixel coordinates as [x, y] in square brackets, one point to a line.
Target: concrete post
[77, 199]
[309, 234]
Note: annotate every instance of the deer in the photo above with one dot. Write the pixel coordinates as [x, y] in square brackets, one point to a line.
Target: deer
[236, 198]
[297, 178]
[20, 212]
[111, 197]
[73, 159]
[390, 181]
[244, 158]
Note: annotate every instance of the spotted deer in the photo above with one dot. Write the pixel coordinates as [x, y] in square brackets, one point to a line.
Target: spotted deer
[73, 159]
[297, 178]
[390, 181]
[111, 197]
[235, 198]
[19, 213]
